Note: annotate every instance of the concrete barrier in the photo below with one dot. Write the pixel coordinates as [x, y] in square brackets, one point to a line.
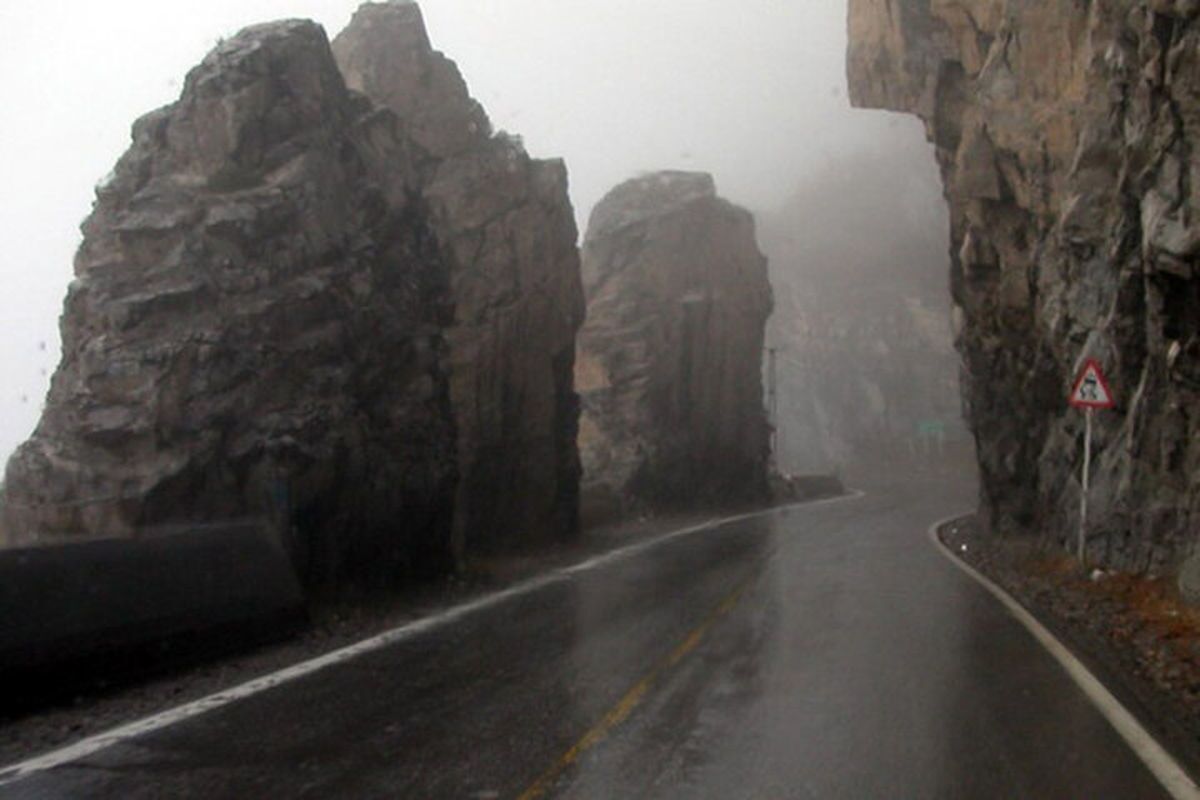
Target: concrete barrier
[75, 615]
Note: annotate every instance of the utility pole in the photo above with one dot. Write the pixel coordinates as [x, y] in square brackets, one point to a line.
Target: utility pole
[773, 406]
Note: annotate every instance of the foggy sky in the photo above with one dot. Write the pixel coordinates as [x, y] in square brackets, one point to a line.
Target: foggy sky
[750, 90]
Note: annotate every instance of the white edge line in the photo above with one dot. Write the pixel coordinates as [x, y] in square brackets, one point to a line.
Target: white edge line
[93, 744]
[1156, 758]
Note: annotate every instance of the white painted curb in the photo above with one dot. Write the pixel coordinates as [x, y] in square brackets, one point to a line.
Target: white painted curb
[1164, 767]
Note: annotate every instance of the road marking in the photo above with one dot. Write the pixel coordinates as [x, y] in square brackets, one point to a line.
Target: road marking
[1156, 758]
[633, 698]
[163, 719]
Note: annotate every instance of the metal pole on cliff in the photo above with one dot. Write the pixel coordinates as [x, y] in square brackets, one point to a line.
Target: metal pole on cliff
[1090, 392]
[772, 406]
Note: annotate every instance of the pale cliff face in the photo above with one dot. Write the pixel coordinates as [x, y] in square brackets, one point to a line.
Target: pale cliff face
[1065, 134]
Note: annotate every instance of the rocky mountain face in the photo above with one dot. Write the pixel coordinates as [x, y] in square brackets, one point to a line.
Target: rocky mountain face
[292, 301]
[866, 369]
[506, 230]
[669, 359]
[1065, 136]
[255, 326]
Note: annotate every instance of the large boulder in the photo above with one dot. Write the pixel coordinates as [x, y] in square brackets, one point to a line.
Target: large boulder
[669, 365]
[255, 328]
[292, 304]
[1066, 134]
[506, 228]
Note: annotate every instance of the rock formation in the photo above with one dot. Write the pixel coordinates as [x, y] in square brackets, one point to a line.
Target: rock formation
[669, 363]
[291, 302]
[507, 231]
[255, 326]
[866, 367]
[1065, 133]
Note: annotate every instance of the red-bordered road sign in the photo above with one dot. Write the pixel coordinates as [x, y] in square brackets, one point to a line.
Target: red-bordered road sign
[1091, 388]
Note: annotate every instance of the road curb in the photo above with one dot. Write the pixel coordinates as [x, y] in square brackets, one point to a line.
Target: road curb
[1157, 759]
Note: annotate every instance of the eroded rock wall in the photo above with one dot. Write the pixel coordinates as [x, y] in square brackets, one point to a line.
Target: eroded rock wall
[669, 364]
[506, 227]
[351, 315]
[255, 327]
[1065, 133]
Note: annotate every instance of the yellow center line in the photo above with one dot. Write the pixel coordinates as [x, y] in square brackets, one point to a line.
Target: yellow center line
[632, 698]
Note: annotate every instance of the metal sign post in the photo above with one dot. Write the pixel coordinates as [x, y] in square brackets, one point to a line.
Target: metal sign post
[1091, 391]
[1087, 469]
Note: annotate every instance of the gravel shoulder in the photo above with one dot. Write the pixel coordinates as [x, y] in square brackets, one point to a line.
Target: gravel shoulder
[1135, 634]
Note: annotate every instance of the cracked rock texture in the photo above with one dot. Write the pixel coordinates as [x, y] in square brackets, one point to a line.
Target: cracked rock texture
[298, 302]
[1065, 133]
[669, 365]
[254, 328]
[506, 229]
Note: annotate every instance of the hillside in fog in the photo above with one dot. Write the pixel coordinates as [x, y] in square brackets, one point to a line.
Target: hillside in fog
[866, 365]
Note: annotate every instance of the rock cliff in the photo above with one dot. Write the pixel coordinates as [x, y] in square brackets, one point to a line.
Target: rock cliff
[293, 302]
[1065, 133]
[669, 363]
[507, 231]
[255, 327]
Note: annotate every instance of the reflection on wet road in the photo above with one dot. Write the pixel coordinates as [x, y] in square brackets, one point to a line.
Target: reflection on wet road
[822, 651]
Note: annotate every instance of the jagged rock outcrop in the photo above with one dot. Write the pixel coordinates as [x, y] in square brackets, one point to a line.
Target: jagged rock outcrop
[255, 326]
[507, 231]
[289, 302]
[866, 368]
[1066, 135]
[669, 361]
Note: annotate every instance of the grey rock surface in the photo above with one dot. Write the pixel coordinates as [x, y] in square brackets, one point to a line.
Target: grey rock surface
[255, 328]
[506, 228]
[1066, 136]
[669, 365]
[1189, 580]
[294, 302]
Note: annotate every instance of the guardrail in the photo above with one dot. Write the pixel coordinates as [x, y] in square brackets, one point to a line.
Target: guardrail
[100, 610]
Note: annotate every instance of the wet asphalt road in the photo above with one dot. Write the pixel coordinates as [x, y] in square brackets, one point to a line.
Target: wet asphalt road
[819, 652]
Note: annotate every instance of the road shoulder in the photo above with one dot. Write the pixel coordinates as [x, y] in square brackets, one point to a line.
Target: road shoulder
[1146, 686]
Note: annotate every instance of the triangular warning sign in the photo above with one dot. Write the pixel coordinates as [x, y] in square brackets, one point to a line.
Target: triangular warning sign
[1091, 388]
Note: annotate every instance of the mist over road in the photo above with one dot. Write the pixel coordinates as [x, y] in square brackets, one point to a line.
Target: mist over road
[819, 651]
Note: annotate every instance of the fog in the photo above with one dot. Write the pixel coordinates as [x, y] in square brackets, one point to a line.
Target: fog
[866, 368]
[753, 92]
